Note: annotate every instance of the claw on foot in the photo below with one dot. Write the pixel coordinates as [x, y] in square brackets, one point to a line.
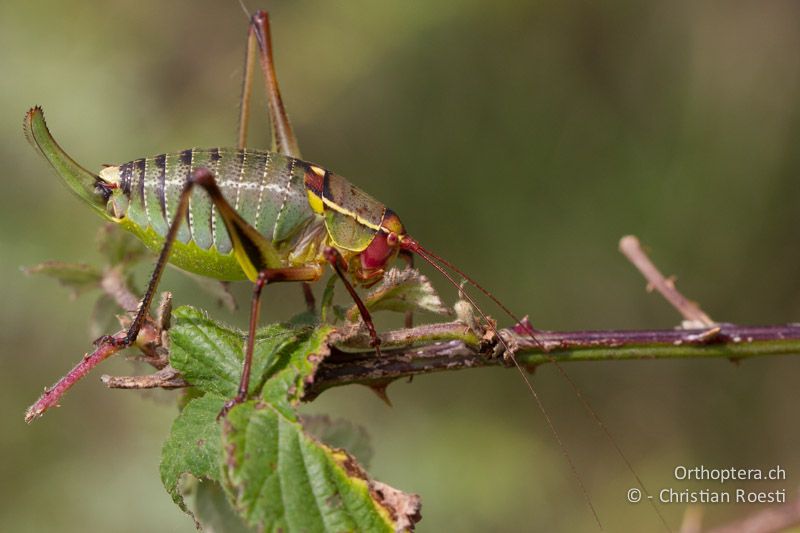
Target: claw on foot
[376, 343]
[110, 340]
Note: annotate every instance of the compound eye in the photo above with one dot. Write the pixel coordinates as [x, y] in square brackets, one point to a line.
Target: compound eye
[392, 239]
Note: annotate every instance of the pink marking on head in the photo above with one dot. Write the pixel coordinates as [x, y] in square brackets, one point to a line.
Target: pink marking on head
[377, 254]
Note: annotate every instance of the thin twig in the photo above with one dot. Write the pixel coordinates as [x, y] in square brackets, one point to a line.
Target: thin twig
[632, 249]
[114, 285]
[166, 378]
[52, 395]
[148, 341]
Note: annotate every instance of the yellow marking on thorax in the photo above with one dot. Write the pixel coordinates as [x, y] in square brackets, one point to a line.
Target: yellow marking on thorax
[315, 202]
[350, 214]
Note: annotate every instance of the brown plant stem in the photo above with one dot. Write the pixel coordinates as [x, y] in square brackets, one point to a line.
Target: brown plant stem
[450, 346]
[453, 345]
[453, 351]
[691, 312]
[114, 285]
[166, 378]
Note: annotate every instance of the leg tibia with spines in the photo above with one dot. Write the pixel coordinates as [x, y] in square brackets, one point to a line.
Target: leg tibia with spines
[254, 252]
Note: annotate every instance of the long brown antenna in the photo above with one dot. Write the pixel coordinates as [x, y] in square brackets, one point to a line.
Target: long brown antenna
[414, 246]
[430, 256]
[478, 286]
[578, 392]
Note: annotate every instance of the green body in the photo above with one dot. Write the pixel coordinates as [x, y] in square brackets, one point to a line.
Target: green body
[267, 189]
[298, 207]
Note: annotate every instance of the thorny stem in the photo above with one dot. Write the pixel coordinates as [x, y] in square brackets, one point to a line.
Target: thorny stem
[450, 346]
[452, 351]
[51, 395]
[453, 346]
[149, 341]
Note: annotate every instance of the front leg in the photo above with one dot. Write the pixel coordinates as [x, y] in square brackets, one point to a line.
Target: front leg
[333, 257]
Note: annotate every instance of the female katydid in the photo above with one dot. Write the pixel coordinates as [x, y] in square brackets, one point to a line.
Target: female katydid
[265, 216]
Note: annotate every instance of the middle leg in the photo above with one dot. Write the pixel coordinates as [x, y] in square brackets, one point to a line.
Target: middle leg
[335, 259]
[266, 276]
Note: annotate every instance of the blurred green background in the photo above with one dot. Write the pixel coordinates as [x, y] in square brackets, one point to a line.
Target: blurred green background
[520, 140]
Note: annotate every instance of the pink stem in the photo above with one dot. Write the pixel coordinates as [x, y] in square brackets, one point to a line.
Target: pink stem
[53, 394]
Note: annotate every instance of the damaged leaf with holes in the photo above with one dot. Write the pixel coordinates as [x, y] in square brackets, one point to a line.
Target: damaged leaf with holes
[273, 473]
[403, 290]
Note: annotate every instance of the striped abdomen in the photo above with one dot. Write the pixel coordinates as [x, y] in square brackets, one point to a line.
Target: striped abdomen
[265, 188]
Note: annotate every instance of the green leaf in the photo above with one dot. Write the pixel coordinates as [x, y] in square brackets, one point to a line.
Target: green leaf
[209, 355]
[295, 366]
[279, 478]
[402, 290]
[275, 475]
[77, 277]
[193, 446]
